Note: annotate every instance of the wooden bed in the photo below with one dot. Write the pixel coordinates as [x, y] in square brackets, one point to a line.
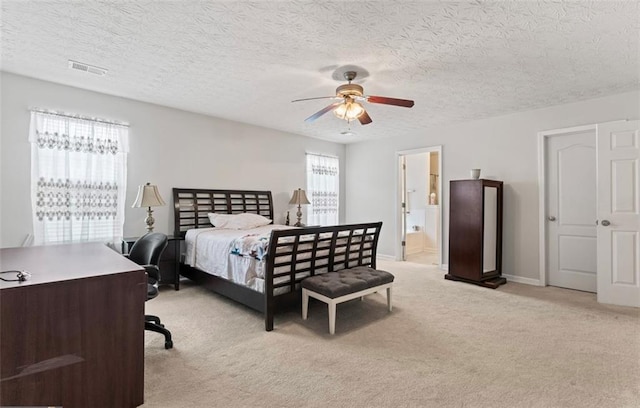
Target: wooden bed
[293, 254]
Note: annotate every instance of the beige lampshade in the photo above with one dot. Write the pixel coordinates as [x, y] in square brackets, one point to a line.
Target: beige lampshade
[148, 196]
[299, 197]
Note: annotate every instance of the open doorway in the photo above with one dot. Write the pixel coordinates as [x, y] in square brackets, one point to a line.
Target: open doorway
[420, 215]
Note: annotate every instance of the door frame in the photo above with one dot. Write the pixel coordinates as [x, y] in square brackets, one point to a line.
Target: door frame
[543, 138]
[398, 201]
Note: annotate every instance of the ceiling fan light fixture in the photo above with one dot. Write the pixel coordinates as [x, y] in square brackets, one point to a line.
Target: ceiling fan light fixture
[349, 110]
[347, 107]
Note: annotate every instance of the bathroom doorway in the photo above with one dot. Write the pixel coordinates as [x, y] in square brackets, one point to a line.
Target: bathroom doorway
[420, 188]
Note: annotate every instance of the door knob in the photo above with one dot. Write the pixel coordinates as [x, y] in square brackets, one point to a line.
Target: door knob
[551, 218]
[605, 223]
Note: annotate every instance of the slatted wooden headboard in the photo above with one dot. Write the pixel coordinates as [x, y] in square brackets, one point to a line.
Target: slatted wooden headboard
[192, 205]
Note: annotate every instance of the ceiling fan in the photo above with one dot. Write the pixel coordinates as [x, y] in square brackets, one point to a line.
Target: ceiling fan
[348, 106]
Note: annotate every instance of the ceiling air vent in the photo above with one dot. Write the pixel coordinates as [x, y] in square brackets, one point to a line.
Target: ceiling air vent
[80, 66]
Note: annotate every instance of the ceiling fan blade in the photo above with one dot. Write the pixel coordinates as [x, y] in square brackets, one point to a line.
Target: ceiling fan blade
[390, 101]
[319, 97]
[364, 119]
[322, 112]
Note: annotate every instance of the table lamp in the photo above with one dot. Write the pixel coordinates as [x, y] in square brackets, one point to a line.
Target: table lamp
[299, 198]
[148, 196]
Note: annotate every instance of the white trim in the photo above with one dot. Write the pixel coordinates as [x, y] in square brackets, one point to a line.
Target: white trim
[520, 279]
[384, 257]
[322, 155]
[398, 199]
[81, 117]
[418, 150]
[572, 129]
[444, 267]
[542, 195]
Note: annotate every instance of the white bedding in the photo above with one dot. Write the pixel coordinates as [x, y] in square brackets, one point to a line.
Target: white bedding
[209, 249]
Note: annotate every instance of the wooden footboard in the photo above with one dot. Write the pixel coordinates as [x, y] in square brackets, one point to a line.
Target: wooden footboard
[298, 253]
[293, 254]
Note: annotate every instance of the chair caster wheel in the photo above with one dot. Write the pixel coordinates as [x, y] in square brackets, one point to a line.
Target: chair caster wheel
[168, 344]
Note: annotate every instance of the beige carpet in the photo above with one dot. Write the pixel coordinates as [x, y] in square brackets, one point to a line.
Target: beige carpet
[446, 344]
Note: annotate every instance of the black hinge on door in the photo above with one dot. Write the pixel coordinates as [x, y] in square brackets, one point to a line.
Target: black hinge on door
[404, 243]
[403, 205]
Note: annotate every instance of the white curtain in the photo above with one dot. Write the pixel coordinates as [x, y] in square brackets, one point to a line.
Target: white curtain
[323, 186]
[78, 178]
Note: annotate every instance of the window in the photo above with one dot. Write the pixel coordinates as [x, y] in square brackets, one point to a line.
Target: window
[78, 178]
[323, 187]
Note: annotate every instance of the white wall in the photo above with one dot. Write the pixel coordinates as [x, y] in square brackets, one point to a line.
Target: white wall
[173, 148]
[168, 147]
[504, 147]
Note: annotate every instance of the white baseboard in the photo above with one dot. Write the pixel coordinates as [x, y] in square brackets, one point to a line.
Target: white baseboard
[445, 267]
[384, 257]
[520, 279]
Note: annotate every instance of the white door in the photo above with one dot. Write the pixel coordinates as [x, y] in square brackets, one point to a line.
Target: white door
[403, 205]
[571, 210]
[619, 213]
[402, 216]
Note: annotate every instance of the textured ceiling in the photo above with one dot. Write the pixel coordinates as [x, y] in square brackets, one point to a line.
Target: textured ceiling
[246, 61]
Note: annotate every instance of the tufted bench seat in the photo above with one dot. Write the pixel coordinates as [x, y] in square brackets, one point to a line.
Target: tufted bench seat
[341, 286]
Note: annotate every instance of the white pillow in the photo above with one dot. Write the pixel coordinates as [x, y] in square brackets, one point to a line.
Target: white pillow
[238, 221]
[219, 220]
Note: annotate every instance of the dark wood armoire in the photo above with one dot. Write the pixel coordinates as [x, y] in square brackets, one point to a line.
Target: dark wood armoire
[475, 232]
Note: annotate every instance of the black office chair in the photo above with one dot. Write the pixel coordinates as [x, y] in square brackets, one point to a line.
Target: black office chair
[146, 252]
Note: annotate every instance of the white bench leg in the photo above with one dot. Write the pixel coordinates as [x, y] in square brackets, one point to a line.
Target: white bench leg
[305, 304]
[332, 317]
[333, 302]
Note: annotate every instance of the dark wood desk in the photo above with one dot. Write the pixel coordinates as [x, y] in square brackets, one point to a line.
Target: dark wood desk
[73, 334]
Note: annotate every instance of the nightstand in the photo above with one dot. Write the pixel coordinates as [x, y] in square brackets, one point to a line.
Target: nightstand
[169, 261]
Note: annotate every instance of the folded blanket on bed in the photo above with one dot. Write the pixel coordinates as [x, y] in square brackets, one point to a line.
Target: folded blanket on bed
[253, 245]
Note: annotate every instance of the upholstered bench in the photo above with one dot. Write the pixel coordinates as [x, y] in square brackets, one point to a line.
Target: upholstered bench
[337, 287]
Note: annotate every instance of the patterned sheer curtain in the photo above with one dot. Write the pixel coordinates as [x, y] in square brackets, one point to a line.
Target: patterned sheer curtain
[78, 178]
[323, 186]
